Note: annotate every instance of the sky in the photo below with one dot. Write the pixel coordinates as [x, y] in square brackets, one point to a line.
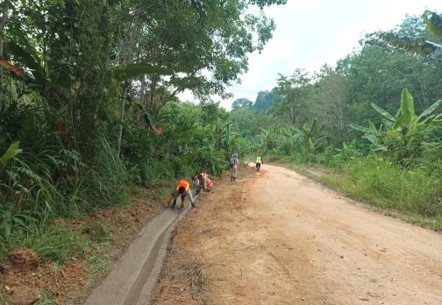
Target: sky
[311, 33]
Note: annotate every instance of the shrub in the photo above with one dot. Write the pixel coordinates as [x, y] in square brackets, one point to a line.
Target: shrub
[390, 186]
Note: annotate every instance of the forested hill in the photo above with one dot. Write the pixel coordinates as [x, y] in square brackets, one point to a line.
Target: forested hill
[89, 108]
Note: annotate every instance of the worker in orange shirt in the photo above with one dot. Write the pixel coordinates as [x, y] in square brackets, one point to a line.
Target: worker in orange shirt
[182, 189]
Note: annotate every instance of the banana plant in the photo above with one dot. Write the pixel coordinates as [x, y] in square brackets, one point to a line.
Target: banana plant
[291, 135]
[373, 135]
[268, 139]
[406, 119]
[225, 137]
[311, 134]
[349, 150]
[211, 159]
[130, 71]
[418, 46]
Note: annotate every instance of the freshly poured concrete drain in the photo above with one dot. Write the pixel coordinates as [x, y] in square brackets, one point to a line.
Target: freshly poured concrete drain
[134, 276]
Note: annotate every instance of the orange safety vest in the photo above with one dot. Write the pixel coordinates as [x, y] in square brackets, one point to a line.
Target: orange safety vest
[209, 182]
[183, 183]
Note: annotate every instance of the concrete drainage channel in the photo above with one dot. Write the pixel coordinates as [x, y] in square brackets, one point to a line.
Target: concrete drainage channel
[134, 276]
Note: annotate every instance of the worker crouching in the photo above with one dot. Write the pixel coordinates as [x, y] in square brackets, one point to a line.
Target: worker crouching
[202, 182]
[182, 189]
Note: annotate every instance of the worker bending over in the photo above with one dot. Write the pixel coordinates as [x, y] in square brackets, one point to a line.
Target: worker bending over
[182, 189]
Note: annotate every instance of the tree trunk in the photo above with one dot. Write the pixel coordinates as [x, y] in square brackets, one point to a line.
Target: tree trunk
[120, 127]
[3, 20]
[1, 72]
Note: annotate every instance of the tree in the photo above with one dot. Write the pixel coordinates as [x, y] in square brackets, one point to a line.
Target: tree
[265, 100]
[377, 75]
[241, 103]
[204, 44]
[3, 20]
[296, 92]
[331, 106]
[248, 122]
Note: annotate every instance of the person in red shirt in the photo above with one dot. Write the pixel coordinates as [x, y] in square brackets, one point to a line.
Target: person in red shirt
[182, 189]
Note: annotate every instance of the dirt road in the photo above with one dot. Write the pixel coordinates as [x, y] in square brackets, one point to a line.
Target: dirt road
[276, 237]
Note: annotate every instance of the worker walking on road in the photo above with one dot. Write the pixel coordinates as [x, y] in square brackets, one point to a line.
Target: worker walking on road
[182, 189]
[258, 163]
[234, 164]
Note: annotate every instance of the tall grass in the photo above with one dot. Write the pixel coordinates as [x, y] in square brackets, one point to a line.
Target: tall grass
[50, 243]
[104, 182]
[389, 186]
[40, 186]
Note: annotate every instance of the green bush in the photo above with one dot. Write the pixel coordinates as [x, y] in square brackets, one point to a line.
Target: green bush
[389, 186]
[39, 186]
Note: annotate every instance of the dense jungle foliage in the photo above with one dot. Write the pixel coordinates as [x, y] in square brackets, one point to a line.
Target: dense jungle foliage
[88, 107]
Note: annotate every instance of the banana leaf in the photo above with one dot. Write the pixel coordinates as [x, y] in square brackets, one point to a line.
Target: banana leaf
[125, 72]
[431, 118]
[29, 61]
[407, 110]
[430, 110]
[361, 128]
[150, 120]
[15, 70]
[383, 112]
[433, 22]
[10, 153]
[372, 138]
[418, 46]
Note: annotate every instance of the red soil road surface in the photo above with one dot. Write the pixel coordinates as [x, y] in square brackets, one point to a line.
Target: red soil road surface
[276, 237]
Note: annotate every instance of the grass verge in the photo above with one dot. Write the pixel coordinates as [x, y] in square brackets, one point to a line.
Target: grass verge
[75, 253]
